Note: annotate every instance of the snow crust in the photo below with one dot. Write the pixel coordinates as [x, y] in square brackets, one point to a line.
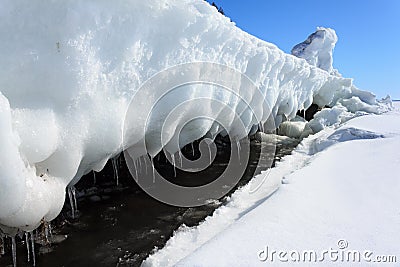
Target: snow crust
[340, 184]
[68, 75]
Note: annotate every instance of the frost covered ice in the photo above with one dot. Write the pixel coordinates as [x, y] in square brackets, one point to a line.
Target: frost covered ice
[68, 77]
[317, 49]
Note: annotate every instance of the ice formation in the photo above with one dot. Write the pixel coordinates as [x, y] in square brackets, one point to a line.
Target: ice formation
[69, 74]
[317, 49]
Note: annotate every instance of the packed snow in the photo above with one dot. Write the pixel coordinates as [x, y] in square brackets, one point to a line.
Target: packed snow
[68, 77]
[339, 192]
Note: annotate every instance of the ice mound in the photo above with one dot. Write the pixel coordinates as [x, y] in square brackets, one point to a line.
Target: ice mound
[317, 49]
[296, 128]
[70, 70]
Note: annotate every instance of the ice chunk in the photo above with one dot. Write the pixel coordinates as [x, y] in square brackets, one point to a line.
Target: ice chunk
[317, 49]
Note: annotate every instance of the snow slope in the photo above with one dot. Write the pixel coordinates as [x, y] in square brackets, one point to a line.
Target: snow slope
[342, 197]
[69, 75]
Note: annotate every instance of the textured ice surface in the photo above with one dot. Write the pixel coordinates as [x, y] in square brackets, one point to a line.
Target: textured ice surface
[317, 49]
[70, 69]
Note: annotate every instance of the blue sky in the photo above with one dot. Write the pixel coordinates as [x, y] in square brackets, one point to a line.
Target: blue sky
[368, 49]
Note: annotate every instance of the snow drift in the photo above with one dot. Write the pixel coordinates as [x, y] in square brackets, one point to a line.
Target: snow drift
[68, 75]
[348, 191]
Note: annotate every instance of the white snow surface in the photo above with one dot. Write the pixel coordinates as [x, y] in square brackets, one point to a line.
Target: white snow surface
[69, 70]
[340, 184]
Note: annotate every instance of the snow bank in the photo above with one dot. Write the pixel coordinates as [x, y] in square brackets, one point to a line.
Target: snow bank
[340, 194]
[68, 77]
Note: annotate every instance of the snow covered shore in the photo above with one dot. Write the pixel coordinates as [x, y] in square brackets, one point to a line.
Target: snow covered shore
[340, 192]
[69, 78]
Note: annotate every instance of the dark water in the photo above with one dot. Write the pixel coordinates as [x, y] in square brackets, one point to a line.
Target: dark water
[121, 225]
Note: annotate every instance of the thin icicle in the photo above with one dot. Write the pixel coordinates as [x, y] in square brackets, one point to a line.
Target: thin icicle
[46, 232]
[140, 165]
[167, 156]
[238, 149]
[180, 158]
[33, 249]
[153, 169]
[72, 201]
[2, 245]
[28, 246]
[173, 163]
[261, 127]
[136, 170]
[14, 250]
[74, 195]
[145, 164]
[115, 167]
[193, 149]
[50, 231]
[94, 178]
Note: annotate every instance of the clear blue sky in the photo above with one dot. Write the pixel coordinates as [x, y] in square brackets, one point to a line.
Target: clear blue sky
[368, 49]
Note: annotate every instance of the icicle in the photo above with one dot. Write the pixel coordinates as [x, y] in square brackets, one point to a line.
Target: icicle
[2, 245]
[94, 178]
[28, 247]
[173, 163]
[180, 158]
[46, 232]
[33, 249]
[140, 164]
[14, 251]
[72, 201]
[261, 127]
[193, 149]
[50, 230]
[145, 164]
[238, 149]
[153, 169]
[115, 167]
[74, 195]
[136, 170]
